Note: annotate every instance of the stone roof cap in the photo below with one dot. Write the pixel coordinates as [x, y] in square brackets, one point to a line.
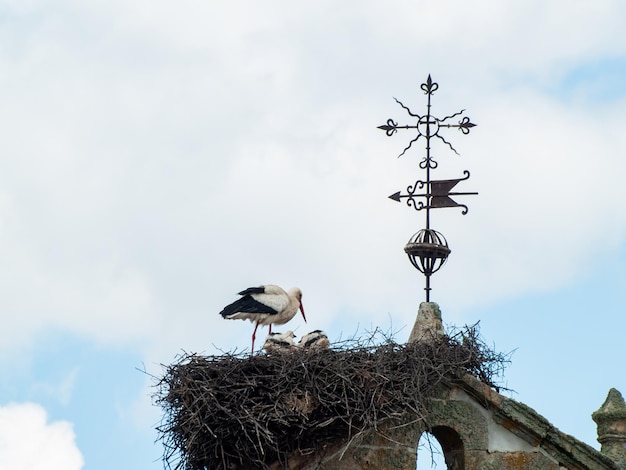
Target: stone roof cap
[613, 407]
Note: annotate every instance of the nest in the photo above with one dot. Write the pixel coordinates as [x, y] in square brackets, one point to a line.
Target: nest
[234, 411]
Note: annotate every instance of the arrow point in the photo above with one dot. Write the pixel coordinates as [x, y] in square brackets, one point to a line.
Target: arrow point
[395, 196]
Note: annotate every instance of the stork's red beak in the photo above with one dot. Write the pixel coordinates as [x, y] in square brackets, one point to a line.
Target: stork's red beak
[302, 310]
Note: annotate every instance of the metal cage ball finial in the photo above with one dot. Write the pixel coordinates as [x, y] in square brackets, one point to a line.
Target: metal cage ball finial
[427, 250]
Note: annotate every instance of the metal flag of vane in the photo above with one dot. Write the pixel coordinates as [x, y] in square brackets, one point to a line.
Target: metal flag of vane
[428, 249]
[438, 196]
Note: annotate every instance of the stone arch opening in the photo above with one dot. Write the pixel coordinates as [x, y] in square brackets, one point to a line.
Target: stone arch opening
[451, 447]
[429, 453]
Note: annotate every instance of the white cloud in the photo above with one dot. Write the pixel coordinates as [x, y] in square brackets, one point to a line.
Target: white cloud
[156, 159]
[176, 155]
[28, 441]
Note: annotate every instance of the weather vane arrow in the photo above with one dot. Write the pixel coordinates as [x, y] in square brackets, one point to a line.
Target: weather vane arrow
[437, 196]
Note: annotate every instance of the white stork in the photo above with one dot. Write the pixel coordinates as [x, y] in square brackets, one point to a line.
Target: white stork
[279, 342]
[265, 305]
[314, 339]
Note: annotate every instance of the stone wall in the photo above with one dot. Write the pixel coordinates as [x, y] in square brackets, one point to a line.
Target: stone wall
[477, 428]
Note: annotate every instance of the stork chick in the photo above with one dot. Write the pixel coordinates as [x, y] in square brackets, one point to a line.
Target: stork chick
[314, 340]
[279, 342]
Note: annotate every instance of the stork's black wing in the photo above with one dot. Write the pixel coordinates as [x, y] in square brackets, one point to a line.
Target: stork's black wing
[247, 304]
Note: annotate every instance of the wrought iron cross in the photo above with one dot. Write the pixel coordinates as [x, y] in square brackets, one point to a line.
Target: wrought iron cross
[428, 249]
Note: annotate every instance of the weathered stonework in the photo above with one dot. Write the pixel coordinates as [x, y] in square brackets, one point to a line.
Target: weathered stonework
[386, 448]
[611, 421]
[477, 428]
[428, 324]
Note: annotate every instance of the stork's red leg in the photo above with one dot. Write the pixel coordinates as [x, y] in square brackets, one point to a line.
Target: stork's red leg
[253, 338]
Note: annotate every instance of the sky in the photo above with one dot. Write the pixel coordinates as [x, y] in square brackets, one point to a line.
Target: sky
[157, 158]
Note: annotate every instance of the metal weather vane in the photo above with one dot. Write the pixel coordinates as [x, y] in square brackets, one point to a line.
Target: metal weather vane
[428, 249]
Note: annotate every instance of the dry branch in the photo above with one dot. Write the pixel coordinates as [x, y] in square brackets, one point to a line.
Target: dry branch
[234, 411]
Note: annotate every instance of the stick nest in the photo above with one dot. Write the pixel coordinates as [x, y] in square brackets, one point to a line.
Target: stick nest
[235, 411]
